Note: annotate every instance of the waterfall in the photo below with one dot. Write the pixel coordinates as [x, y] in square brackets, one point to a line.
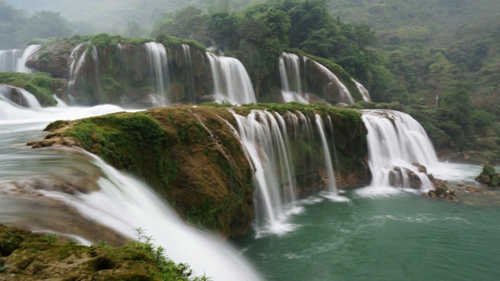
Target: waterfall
[341, 92]
[332, 192]
[21, 63]
[75, 62]
[395, 142]
[291, 85]
[30, 197]
[364, 92]
[8, 60]
[231, 81]
[97, 85]
[60, 103]
[264, 136]
[158, 65]
[19, 96]
[120, 48]
[189, 73]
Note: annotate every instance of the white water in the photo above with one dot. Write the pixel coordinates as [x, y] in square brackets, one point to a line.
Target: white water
[8, 59]
[123, 203]
[97, 87]
[75, 62]
[364, 92]
[191, 95]
[332, 186]
[127, 204]
[158, 65]
[291, 85]
[332, 192]
[343, 95]
[60, 103]
[28, 98]
[21, 63]
[395, 139]
[231, 81]
[263, 134]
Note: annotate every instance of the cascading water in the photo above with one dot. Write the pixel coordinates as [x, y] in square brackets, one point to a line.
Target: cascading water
[332, 192]
[265, 136]
[332, 186]
[267, 144]
[23, 97]
[97, 76]
[158, 65]
[189, 73]
[291, 85]
[334, 83]
[21, 63]
[75, 63]
[364, 92]
[231, 81]
[8, 60]
[395, 142]
[30, 197]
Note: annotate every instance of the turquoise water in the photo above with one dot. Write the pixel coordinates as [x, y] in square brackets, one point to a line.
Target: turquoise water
[395, 236]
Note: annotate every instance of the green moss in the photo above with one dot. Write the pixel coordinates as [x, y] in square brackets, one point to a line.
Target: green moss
[489, 170]
[495, 181]
[137, 260]
[173, 41]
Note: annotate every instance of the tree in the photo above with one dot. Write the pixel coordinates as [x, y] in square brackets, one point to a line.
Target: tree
[187, 23]
[457, 100]
[133, 29]
[11, 21]
[43, 25]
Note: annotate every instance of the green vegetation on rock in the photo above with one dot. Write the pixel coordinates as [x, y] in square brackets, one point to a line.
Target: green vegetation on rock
[29, 256]
[489, 176]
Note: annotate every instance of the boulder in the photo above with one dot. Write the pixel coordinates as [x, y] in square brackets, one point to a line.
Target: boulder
[472, 189]
[489, 170]
[488, 176]
[421, 168]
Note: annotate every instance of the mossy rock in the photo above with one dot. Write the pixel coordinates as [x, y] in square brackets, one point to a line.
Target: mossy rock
[32, 257]
[489, 170]
[495, 180]
[441, 190]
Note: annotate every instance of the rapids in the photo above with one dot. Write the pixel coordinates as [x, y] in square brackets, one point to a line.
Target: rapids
[36, 193]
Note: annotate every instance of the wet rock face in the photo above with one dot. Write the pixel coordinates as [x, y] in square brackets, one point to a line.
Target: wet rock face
[397, 175]
[52, 59]
[93, 72]
[13, 94]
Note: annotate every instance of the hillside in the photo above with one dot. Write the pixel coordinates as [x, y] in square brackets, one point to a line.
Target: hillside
[112, 16]
[435, 22]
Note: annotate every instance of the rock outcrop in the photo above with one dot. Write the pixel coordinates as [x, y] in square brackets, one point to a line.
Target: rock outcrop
[192, 157]
[489, 176]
